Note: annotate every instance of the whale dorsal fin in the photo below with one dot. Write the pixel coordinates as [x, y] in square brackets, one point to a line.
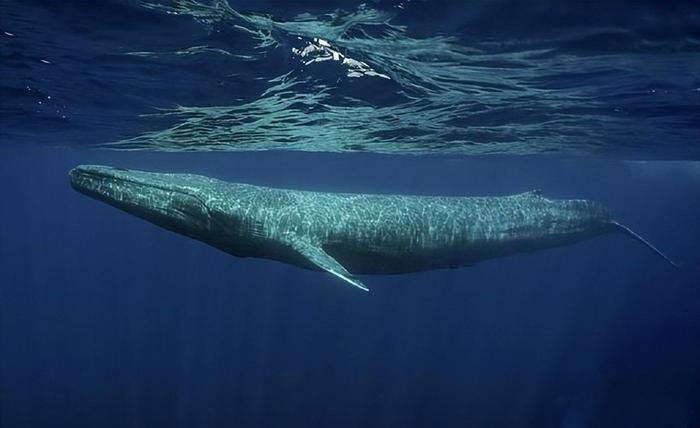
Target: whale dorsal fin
[530, 194]
[316, 255]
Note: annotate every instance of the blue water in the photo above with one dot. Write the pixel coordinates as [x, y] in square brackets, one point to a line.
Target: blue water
[109, 321]
[600, 79]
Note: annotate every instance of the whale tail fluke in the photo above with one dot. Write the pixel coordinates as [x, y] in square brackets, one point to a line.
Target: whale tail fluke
[629, 232]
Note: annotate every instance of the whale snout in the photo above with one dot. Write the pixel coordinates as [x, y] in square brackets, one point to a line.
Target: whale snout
[156, 197]
[90, 178]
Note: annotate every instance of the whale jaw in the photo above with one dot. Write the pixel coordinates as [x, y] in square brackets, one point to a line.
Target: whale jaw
[148, 195]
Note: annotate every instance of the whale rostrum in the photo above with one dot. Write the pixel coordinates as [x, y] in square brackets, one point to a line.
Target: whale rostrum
[348, 234]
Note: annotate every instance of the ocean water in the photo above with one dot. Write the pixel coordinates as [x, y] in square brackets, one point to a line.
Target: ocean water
[107, 320]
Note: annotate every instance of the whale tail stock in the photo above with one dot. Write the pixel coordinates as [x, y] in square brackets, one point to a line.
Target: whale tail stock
[629, 232]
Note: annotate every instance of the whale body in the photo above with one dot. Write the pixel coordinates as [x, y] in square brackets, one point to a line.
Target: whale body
[348, 234]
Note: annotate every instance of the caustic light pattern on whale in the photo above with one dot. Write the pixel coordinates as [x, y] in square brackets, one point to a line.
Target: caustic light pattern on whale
[347, 234]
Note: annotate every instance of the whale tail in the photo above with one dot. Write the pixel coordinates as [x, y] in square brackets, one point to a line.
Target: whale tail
[629, 232]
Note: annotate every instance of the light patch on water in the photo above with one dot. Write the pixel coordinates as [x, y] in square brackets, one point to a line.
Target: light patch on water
[191, 51]
[319, 50]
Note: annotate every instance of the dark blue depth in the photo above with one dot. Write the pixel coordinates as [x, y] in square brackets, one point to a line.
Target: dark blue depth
[106, 320]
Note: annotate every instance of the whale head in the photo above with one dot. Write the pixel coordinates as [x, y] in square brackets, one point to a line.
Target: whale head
[174, 201]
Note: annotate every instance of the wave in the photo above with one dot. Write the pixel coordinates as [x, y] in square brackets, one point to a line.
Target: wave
[413, 78]
[448, 97]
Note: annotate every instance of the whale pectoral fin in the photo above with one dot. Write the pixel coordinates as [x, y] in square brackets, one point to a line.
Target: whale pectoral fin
[316, 255]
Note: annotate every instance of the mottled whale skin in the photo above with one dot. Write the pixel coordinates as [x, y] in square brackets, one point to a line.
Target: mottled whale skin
[347, 234]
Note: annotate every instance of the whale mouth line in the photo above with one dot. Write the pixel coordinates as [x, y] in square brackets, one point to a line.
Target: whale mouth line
[84, 179]
[89, 174]
[82, 176]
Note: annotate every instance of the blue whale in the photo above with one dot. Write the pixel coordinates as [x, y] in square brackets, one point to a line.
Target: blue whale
[348, 234]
